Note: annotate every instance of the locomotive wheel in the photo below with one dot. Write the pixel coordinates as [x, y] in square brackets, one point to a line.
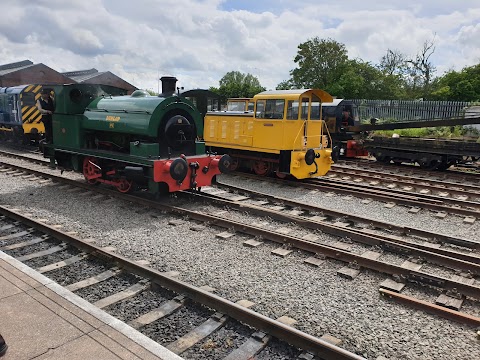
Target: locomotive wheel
[428, 165]
[124, 185]
[280, 175]
[91, 171]
[262, 168]
[234, 164]
[443, 166]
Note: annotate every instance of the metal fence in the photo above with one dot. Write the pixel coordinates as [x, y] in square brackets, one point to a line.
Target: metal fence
[409, 110]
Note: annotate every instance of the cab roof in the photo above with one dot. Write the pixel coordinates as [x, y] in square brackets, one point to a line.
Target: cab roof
[240, 99]
[294, 94]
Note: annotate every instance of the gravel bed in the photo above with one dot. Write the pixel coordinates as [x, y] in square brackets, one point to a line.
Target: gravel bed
[172, 327]
[471, 306]
[220, 343]
[316, 297]
[31, 249]
[108, 287]
[278, 350]
[52, 258]
[391, 258]
[15, 240]
[140, 304]
[77, 271]
[324, 239]
[399, 215]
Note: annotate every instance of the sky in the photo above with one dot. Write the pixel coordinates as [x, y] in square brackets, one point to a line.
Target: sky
[200, 41]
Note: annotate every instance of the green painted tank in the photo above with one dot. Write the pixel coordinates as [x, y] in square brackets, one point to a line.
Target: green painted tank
[132, 122]
[139, 114]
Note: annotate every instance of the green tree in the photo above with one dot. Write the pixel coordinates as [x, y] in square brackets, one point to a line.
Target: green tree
[458, 86]
[236, 84]
[321, 62]
[286, 85]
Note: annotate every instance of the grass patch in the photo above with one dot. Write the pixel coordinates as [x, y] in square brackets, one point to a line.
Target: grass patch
[444, 132]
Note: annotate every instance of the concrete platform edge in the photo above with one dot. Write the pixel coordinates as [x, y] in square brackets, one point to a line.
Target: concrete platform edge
[101, 315]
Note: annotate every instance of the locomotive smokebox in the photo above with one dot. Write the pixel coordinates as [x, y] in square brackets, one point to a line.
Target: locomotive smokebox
[168, 85]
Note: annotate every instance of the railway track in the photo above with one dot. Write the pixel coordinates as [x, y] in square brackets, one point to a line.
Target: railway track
[367, 257]
[108, 279]
[408, 271]
[413, 294]
[410, 170]
[441, 188]
[442, 206]
[459, 206]
[342, 219]
[408, 196]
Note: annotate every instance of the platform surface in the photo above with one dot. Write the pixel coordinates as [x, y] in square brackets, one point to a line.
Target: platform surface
[40, 319]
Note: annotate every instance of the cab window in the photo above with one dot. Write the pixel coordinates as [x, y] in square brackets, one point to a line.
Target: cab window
[270, 109]
[292, 110]
[305, 102]
[28, 99]
[213, 104]
[260, 113]
[236, 106]
[250, 106]
[315, 108]
[192, 99]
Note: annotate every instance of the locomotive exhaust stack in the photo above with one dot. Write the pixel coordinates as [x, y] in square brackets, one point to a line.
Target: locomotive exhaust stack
[168, 85]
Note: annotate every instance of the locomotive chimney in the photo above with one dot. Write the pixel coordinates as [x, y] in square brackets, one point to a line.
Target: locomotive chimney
[168, 85]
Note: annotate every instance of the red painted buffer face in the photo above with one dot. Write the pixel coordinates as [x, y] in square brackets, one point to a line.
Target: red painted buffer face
[188, 172]
[355, 149]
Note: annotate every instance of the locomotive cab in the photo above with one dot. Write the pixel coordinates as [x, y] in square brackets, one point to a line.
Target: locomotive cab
[279, 136]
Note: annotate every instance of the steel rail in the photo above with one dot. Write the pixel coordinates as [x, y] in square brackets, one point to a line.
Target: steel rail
[470, 190]
[404, 198]
[432, 308]
[435, 199]
[406, 230]
[443, 257]
[414, 200]
[23, 157]
[275, 328]
[451, 174]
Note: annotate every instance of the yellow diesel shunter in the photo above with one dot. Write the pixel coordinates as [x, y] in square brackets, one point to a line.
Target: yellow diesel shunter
[283, 135]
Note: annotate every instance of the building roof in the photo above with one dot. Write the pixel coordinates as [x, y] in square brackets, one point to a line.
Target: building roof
[83, 75]
[12, 67]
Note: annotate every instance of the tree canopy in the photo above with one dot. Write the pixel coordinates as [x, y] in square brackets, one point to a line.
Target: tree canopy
[236, 84]
[324, 64]
[320, 63]
[459, 86]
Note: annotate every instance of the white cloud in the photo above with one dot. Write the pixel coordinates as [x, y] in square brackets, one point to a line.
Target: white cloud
[198, 42]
